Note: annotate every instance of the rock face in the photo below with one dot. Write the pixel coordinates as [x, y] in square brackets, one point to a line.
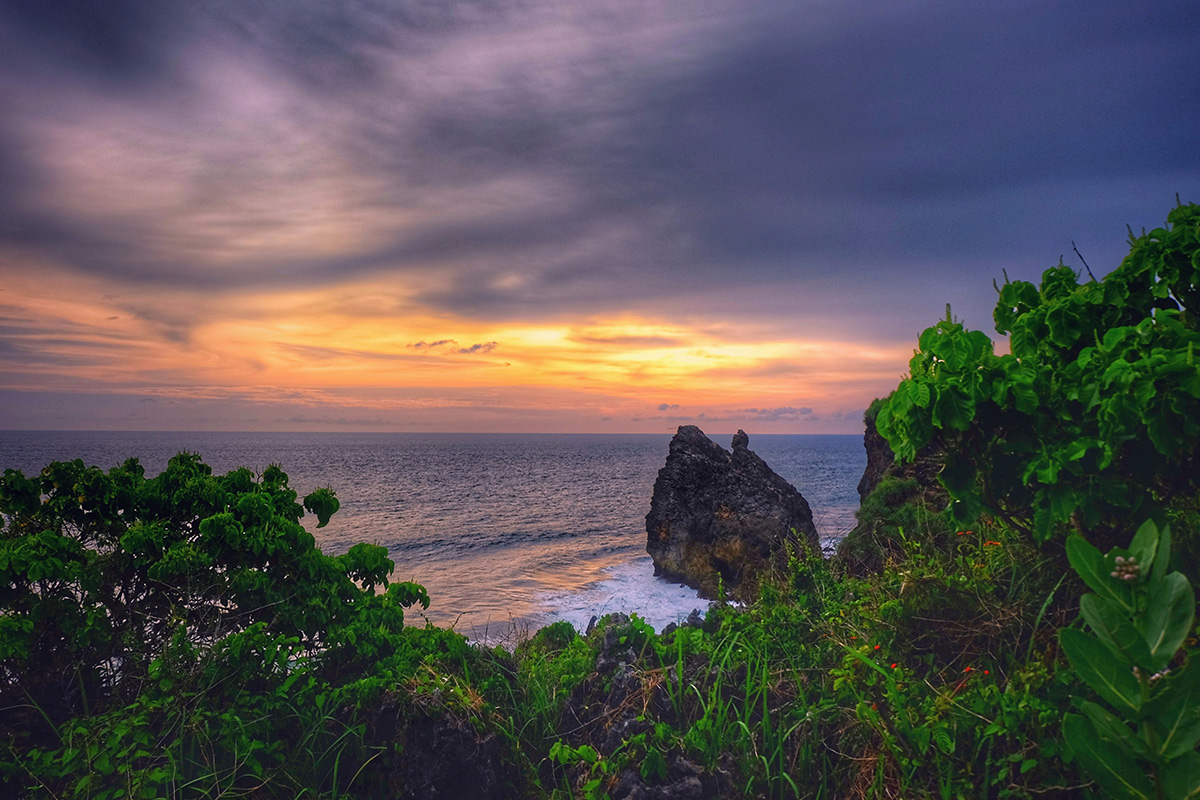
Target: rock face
[867, 547]
[719, 513]
[879, 458]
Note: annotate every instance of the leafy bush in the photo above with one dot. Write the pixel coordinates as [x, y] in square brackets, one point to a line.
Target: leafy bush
[1094, 415]
[162, 631]
[1141, 614]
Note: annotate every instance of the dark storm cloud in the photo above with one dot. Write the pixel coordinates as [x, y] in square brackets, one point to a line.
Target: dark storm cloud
[613, 163]
[117, 41]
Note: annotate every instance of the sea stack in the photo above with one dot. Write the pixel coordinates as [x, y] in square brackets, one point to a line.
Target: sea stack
[718, 513]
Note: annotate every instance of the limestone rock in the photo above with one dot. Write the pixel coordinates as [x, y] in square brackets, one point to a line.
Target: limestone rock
[716, 512]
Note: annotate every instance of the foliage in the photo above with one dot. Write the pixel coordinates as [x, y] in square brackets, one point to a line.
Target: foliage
[1093, 416]
[1140, 615]
[168, 632]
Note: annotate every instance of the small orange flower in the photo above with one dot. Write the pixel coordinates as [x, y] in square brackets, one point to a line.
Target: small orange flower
[985, 544]
[893, 666]
[876, 647]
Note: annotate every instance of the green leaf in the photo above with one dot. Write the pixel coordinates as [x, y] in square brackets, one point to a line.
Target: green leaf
[921, 394]
[944, 741]
[1091, 566]
[1168, 617]
[1181, 777]
[1179, 727]
[1117, 773]
[1162, 558]
[1115, 630]
[1110, 728]
[1093, 661]
[1145, 545]
[953, 408]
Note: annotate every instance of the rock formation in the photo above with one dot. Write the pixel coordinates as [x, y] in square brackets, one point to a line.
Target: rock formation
[879, 456]
[907, 492]
[719, 513]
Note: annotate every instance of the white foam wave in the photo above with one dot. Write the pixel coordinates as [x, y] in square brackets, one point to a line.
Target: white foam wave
[630, 587]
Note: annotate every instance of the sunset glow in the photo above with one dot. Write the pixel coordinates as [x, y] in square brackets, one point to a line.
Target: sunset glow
[544, 218]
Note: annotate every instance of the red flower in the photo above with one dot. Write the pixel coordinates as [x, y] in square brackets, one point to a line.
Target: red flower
[893, 666]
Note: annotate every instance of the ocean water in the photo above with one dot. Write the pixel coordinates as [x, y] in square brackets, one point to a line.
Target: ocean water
[508, 532]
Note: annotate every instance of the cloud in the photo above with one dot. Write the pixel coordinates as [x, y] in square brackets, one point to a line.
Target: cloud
[778, 172]
[610, 161]
[339, 422]
[668, 407]
[776, 414]
[631, 341]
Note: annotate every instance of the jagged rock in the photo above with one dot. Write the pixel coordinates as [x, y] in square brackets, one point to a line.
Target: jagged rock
[722, 513]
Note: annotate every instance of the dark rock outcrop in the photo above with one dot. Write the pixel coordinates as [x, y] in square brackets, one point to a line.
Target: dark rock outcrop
[879, 455]
[893, 496]
[718, 513]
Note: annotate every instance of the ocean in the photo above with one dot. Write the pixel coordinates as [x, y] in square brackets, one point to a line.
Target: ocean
[508, 532]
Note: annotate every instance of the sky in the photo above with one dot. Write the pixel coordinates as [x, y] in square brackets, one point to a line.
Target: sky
[547, 216]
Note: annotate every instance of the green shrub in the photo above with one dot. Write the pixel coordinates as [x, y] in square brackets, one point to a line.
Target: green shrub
[1093, 417]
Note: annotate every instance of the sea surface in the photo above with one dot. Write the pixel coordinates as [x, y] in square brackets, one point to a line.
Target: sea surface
[508, 532]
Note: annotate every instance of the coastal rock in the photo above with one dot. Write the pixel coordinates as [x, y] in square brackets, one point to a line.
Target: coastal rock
[913, 486]
[879, 458]
[718, 513]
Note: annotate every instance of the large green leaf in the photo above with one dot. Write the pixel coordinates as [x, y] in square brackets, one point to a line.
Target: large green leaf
[1097, 574]
[1162, 556]
[1181, 777]
[1094, 662]
[1179, 728]
[1168, 617]
[1145, 545]
[953, 408]
[1115, 630]
[1112, 729]
[1117, 773]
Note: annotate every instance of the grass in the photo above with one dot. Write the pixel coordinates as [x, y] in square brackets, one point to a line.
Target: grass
[936, 676]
